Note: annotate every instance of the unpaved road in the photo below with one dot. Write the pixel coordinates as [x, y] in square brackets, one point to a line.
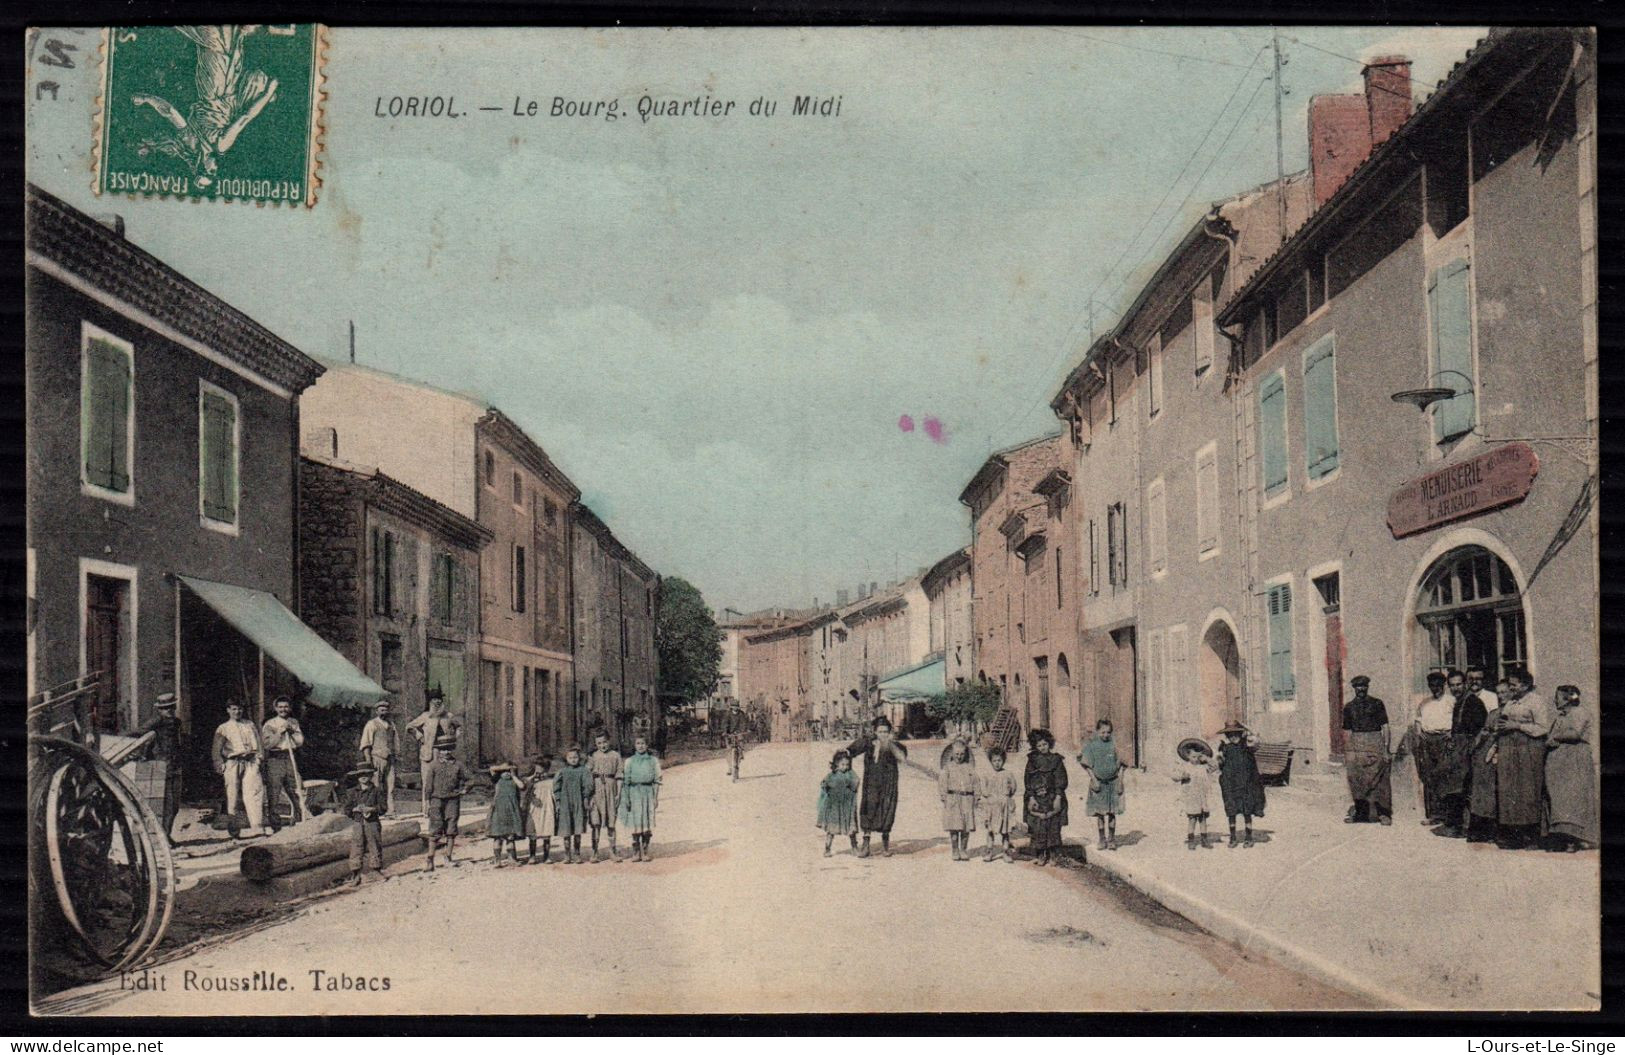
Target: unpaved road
[739, 912]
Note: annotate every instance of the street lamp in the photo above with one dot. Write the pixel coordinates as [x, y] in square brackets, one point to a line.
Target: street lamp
[1422, 398]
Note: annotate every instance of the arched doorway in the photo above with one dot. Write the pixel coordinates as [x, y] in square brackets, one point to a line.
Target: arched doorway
[1041, 674]
[1220, 670]
[1469, 613]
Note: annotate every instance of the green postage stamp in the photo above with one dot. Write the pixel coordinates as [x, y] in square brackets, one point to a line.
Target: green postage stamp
[225, 112]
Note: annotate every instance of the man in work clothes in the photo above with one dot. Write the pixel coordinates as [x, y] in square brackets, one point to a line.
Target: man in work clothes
[282, 736]
[236, 753]
[1366, 756]
[444, 781]
[380, 743]
[877, 806]
[433, 724]
[166, 748]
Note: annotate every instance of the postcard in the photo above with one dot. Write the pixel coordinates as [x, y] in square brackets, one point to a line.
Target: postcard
[590, 521]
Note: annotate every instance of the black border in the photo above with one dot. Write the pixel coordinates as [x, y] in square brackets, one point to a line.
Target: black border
[14, 1018]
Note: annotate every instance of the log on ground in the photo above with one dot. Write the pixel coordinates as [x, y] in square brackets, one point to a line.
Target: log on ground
[268, 859]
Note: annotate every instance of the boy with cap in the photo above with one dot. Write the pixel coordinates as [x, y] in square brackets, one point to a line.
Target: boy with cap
[379, 745]
[365, 804]
[166, 748]
[444, 781]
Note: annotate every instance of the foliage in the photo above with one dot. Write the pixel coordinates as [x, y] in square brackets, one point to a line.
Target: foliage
[688, 643]
[973, 701]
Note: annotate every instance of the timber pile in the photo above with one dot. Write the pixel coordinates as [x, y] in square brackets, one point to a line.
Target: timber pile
[266, 860]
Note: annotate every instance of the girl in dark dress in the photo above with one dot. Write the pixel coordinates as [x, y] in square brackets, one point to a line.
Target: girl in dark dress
[1045, 798]
[1239, 783]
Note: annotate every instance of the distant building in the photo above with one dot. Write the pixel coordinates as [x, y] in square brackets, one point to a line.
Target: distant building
[947, 586]
[469, 456]
[615, 665]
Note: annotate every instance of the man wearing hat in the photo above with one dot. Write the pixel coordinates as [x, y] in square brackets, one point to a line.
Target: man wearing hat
[380, 743]
[166, 748]
[877, 805]
[433, 724]
[282, 736]
[237, 754]
[1367, 756]
[364, 803]
[444, 781]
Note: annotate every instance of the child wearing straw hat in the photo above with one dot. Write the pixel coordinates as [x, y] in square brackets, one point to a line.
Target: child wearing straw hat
[1195, 773]
[365, 804]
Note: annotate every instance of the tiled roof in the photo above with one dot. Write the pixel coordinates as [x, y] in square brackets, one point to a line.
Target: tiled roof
[411, 504]
[106, 260]
[594, 525]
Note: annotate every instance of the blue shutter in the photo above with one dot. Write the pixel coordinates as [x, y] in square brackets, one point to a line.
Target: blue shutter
[1282, 686]
[1451, 311]
[1320, 407]
[1272, 434]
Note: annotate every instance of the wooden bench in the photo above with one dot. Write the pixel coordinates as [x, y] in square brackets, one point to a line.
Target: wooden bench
[1274, 762]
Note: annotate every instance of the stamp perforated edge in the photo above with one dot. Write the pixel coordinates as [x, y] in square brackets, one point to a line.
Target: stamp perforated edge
[318, 128]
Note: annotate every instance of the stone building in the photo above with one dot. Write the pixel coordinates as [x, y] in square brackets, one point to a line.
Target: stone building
[947, 587]
[1020, 502]
[391, 578]
[1272, 386]
[615, 666]
[162, 469]
[469, 456]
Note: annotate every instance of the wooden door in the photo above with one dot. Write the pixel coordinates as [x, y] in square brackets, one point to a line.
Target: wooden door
[104, 604]
[1334, 678]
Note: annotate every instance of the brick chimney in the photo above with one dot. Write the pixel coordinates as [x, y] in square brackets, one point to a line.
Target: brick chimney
[1344, 128]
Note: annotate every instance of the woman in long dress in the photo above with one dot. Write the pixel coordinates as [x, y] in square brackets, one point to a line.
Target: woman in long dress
[1520, 763]
[1045, 789]
[1571, 800]
[640, 794]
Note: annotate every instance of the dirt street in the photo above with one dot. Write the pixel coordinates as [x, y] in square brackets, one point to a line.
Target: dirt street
[739, 912]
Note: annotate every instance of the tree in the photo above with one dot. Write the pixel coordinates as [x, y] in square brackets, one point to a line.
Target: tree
[973, 703]
[688, 643]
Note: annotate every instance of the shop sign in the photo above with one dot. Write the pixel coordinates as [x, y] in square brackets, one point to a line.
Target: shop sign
[1496, 478]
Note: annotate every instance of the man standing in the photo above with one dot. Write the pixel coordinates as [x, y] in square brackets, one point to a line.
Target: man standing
[432, 725]
[166, 748]
[605, 767]
[877, 805]
[281, 737]
[1430, 744]
[380, 743]
[444, 781]
[1467, 720]
[1475, 687]
[1366, 756]
[237, 755]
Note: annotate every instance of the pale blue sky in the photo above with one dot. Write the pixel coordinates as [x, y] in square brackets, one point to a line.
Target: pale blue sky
[714, 326]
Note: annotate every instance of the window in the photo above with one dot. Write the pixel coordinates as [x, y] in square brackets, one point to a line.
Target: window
[550, 511]
[524, 701]
[518, 579]
[1202, 311]
[1117, 544]
[1156, 530]
[217, 431]
[1094, 559]
[1060, 595]
[1450, 312]
[1292, 306]
[1279, 607]
[490, 469]
[518, 490]
[1155, 675]
[443, 587]
[1316, 275]
[1207, 500]
[384, 556]
[648, 601]
[1448, 199]
[507, 695]
[1153, 377]
[1320, 408]
[1272, 434]
[106, 414]
[1111, 392]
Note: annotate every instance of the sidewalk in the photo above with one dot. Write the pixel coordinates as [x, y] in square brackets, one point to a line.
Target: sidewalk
[1397, 914]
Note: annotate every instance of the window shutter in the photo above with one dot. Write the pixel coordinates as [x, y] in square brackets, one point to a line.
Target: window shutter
[1451, 309]
[377, 570]
[1111, 545]
[106, 411]
[1094, 559]
[1174, 691]
[218, 459]
[1154, 375]
[1282, 686]
[1207, 501]
[1320, 408]
[1202, 313]
[438, 594]
[1272, 434]
[1157, 526]
[1122, 544]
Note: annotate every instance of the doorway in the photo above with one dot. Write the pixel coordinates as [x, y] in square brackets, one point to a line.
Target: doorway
[1469, 612]
[1220, 673]
[1042, 665]
[107, 651]
[1330, 589]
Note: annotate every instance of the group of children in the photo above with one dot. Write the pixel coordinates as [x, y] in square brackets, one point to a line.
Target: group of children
[601, 793]
[989, 800]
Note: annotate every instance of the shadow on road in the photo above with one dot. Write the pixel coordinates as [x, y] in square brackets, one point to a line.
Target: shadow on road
[759, 776]
[904, 847]
[689, 846]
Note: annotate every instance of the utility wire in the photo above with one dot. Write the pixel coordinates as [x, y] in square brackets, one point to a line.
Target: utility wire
[1066, 339]
[1359, 62]
[1153, 51]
